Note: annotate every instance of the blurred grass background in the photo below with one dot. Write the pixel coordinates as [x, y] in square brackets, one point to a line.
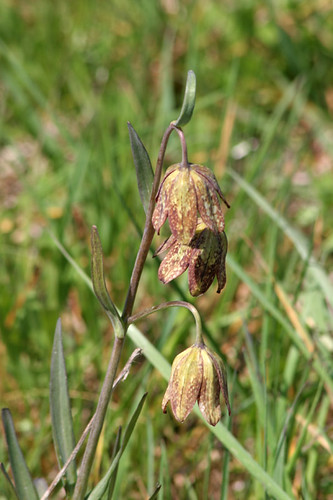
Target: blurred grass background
[72, 75]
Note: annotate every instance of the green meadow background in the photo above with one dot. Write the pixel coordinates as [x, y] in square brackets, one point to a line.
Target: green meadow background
[71, 75]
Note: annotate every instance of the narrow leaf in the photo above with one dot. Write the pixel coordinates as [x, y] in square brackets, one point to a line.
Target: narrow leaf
[131, 424]
[9, 482]
[188, 101]
[113, 477]
[156, 490]
[98, 280]
[317, 273]
[25, 488]
[62, 424]
[144, 171]
[100, 489]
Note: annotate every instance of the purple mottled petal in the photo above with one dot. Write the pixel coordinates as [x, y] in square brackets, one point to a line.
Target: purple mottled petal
[182, 206]
[209, 177]
[174, 263]
[208, 204]
[204, 262]
[222, 376]
[221, 272]
[175, 363]
[209, 397]
[165, 245]
[186, 383]
[166, 398]
[160, 212]
[169, 171]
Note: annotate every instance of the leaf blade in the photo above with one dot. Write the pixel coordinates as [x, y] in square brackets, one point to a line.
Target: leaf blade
[143, 168]
[98, 492]
[25, 488]
[61, 416]
[188, 101]
[98, 280]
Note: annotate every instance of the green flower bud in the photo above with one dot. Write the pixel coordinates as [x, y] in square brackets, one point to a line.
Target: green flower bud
[185, 191]
[197, 375]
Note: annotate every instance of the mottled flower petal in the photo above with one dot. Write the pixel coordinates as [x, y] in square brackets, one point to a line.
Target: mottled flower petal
[182, 206]
[186, 382]
[209, 397]
[208, 204]
[204, 256]
[209, 177]
[174, 263]
[184, 191]
[160, 213]
[165, 245]
[221, 272]
[166, 398]
[167, 394]
[197, 374]
[222, 376]
[204, 262]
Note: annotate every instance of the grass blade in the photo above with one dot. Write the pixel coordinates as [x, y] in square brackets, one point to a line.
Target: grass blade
[10, 485]
[301, 245]
[317, 364]
[155, 494]
[61, 416]
[113, 477]
[24, 485]
[100, 489]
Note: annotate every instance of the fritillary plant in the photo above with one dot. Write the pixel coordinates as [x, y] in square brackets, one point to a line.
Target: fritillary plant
[190, 200]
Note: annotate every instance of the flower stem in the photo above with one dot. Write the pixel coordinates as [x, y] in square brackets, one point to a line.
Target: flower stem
[106, 391]
[148, 232]
[172, 303]
[183, 144]
[96, 429]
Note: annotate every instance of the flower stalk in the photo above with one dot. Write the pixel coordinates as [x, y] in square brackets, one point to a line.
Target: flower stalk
[166, 305]
[106, 391]
[195, 189]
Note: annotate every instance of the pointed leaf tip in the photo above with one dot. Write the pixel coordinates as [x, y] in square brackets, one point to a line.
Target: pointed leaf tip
[98, 280]
[188, 101]
[24, 485]
[61, 416]
[143, 168]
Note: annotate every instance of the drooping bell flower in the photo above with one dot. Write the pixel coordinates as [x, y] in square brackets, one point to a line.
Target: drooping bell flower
[197, 374]
[204, 256]
[185, 191]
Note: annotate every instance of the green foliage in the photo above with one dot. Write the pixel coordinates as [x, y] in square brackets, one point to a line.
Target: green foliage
[144, 171]
[62, 425]
[188, 101]
[72, 75]
[24, 486]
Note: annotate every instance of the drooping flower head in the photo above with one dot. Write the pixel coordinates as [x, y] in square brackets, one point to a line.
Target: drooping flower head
[185, 191]
[204, 256]
[197, 375]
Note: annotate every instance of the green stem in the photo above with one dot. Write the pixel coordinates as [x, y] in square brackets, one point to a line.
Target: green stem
[172, 303]
[89, 454]
[106, 391]
[148, 232]
[184, 146]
